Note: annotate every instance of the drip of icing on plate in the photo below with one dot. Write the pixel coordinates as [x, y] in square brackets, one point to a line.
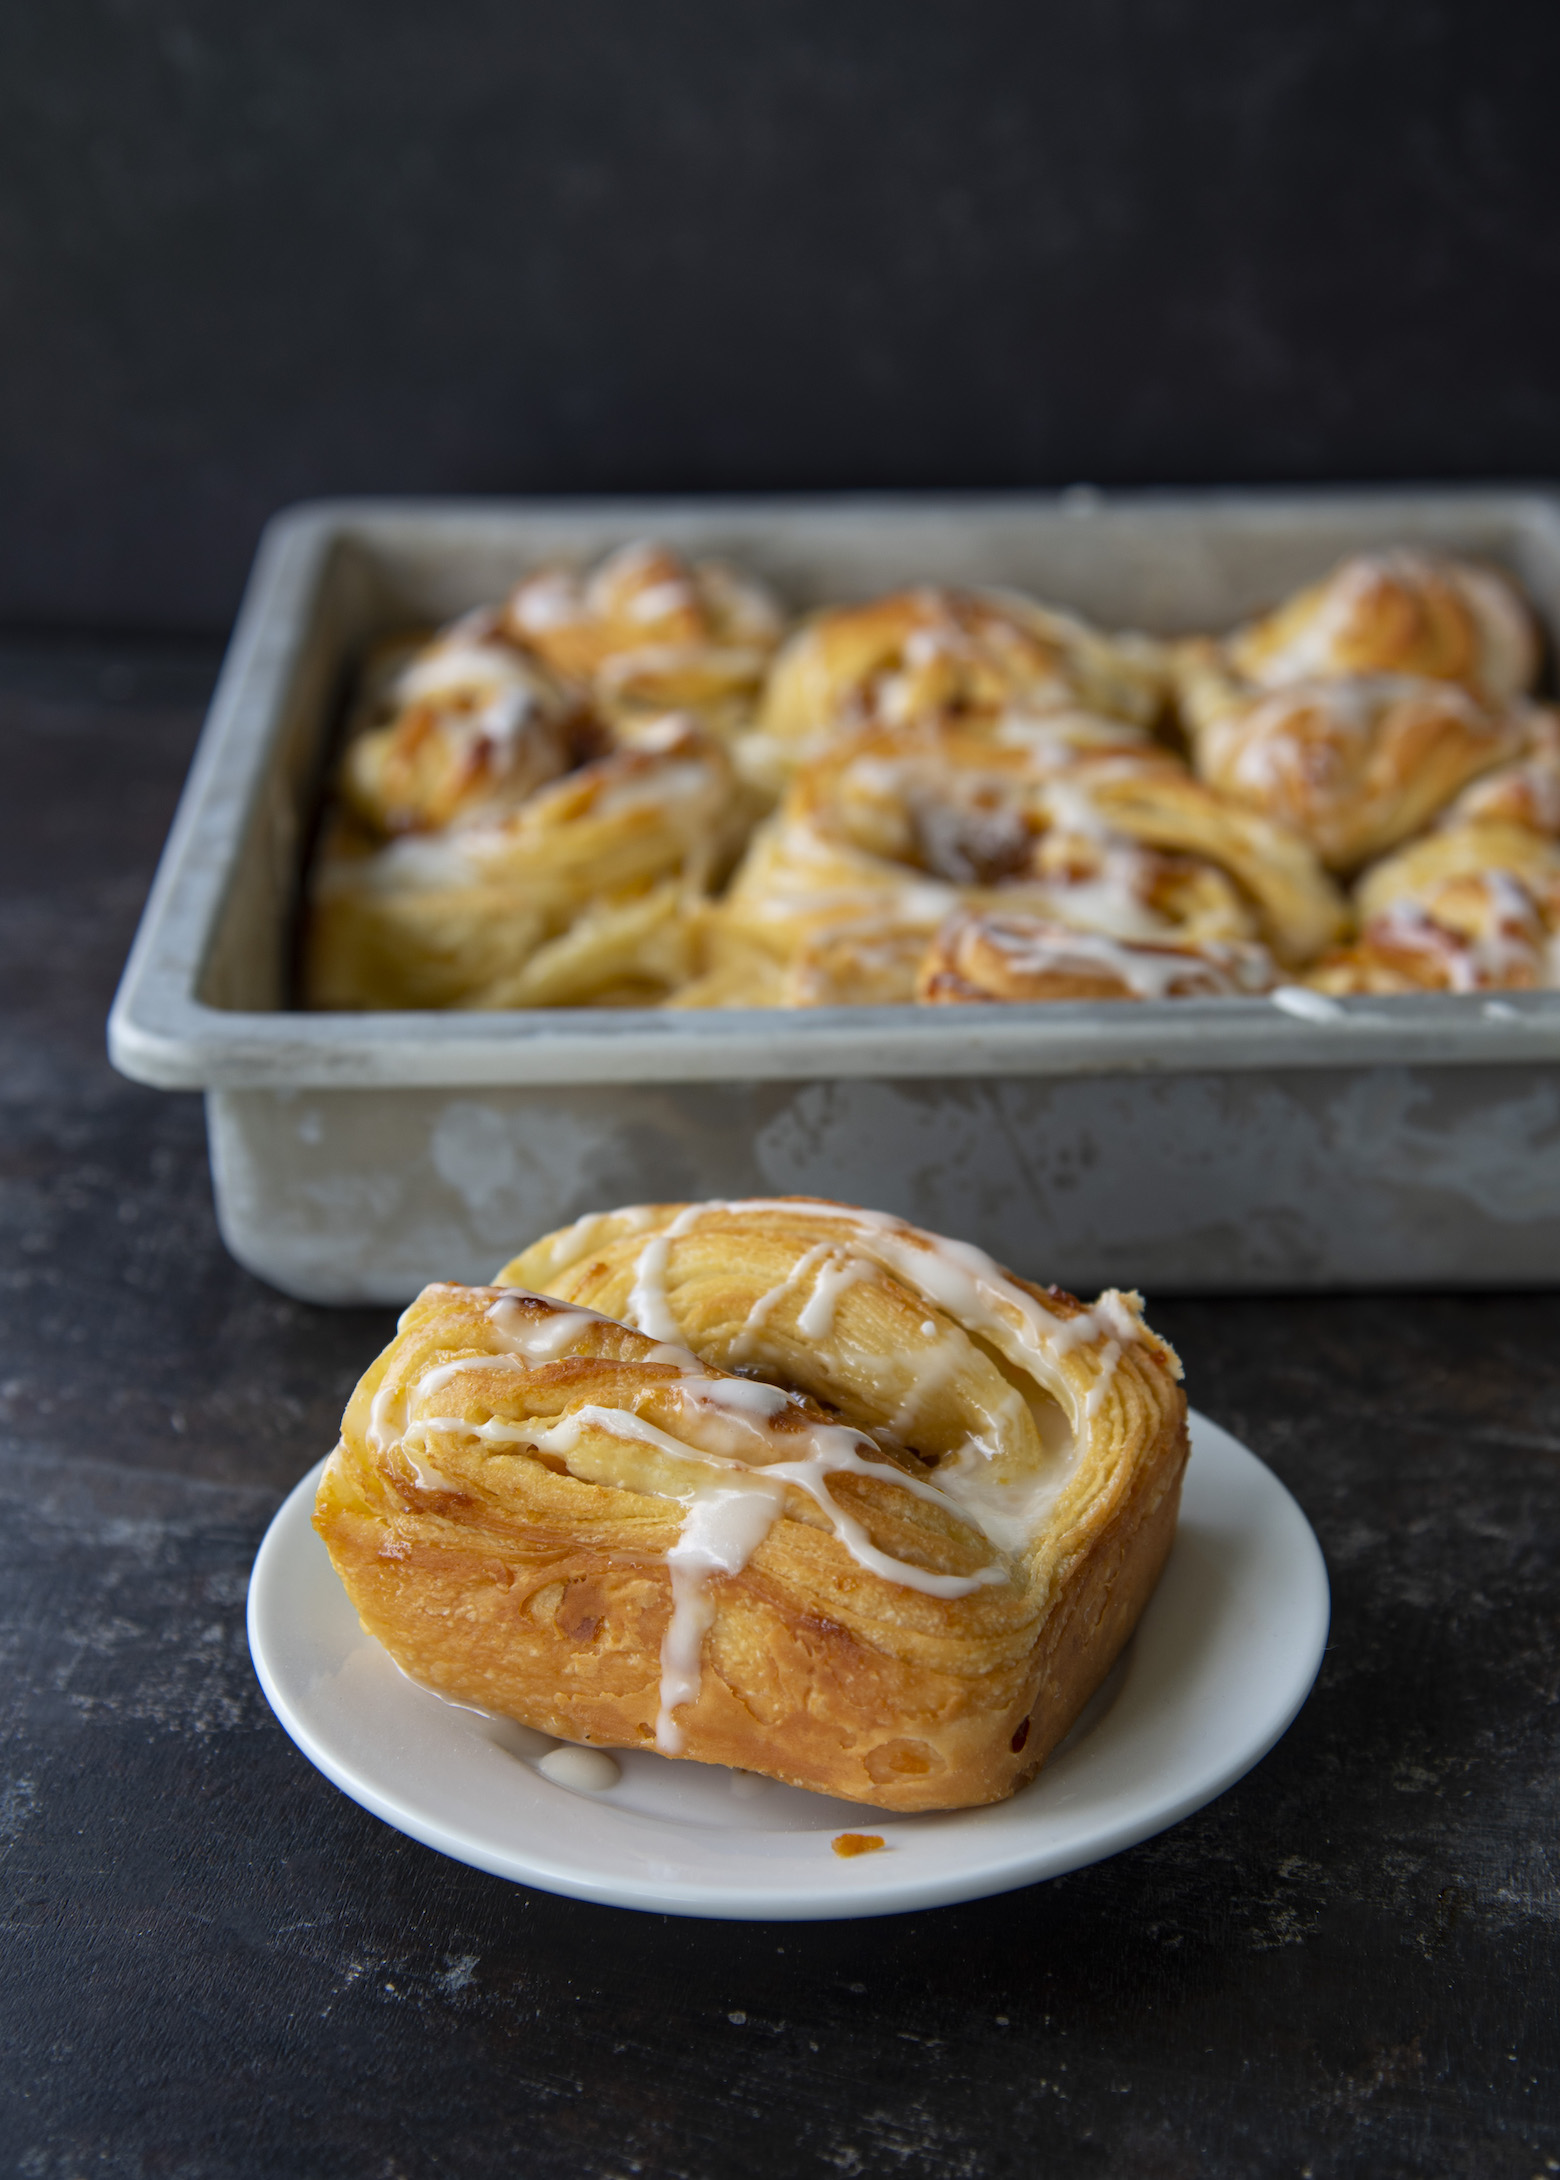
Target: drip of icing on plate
[586, 1771]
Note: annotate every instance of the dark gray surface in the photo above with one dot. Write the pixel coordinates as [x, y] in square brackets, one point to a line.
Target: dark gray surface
[252, 254]
[217, 1965]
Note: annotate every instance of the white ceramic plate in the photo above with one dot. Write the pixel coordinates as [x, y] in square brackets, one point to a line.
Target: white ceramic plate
[1222, 1660]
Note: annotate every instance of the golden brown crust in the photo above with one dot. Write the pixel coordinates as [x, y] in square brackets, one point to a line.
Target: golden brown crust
[1526, 791]
[1398, 612]
[1100, 1607]
[526, 1569]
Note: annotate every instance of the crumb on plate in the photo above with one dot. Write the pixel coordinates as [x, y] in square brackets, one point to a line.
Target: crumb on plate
[857, 1843]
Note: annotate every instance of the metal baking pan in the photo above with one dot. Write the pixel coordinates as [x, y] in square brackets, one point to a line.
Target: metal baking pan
[1178, 1145]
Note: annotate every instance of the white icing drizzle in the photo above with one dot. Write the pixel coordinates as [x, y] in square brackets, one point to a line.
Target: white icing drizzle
[1306, 1005]
[549, 600]
[571, 1242]
[1008, 1509]
[1146, 970]
[723, 1529]
[434, 1381]
[1072, 809]
[660, 601]
[428, 1478]
[816, 1320]
[388, 1429]
[1112, 899]
[834, 1270]
[679, 1358]
[954, 1275]
[386, 1415]
[832, 1448]
[564, 1436]
[624, 569]
[648, 1305]
[811, 1476]
[746, 1340]
[1311, 645]
[467, 668]
[540, 1339]
[971, 1288]
[1509, 949]
[1056, 738]
[748, 1397]
[681, 780]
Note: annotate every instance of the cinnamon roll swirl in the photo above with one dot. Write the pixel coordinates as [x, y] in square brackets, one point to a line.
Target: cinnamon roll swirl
[783, 1485]
[645, 632]
[885, 835]
[981, 661]
[466, 723]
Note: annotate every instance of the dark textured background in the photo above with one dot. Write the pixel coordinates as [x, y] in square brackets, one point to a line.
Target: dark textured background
[253, 253]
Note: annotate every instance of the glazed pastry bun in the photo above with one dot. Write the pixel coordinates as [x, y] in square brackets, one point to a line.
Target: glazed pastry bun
[586, 892]
[992, 954]
[1475, 907]
[780, 1484]
[1397, 612]
[467, 723]
[889, 831]
[1354, 765]
[980, 660]
[646, 632]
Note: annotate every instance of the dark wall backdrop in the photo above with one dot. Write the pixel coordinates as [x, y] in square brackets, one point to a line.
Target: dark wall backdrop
[253, 253]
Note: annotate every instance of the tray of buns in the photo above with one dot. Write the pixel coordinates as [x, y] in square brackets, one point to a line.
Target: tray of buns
[1176, 878]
